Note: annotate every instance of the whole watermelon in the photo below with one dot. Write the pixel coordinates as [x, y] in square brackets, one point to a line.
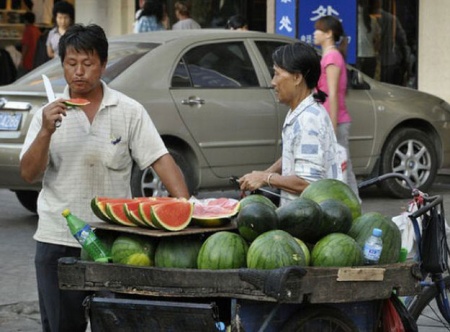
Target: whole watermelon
[392, 239]
[335, 250]
[133, 249]
[178, 252]
[336, 217]
[323, 189]
[254, 219]
[223, 250]
[275, 249]
[256, 198]
[302, 218]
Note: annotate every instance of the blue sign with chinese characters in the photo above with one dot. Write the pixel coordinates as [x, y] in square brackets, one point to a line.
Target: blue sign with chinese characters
[309, 11]
[285, 18]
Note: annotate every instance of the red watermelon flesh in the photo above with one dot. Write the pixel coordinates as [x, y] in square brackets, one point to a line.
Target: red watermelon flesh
[117, 213]
[145, 211]
[131, 210]
[77, 102]
[172, 216]
[98, 206]
[215, 208]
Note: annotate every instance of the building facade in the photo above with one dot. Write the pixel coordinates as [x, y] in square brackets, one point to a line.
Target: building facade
[423, 23]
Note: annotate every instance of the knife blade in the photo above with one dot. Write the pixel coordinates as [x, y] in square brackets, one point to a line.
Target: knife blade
[50, 94]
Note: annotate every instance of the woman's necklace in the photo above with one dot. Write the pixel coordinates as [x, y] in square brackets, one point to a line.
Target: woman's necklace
[328, 48]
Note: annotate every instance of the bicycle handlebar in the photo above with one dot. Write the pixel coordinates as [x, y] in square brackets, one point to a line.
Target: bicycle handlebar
[383, 177]
[434, 200]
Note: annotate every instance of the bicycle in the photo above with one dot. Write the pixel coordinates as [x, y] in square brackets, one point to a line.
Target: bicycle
[430, 308]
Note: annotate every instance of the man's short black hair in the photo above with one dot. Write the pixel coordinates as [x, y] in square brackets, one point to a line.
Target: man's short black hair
[90, 38]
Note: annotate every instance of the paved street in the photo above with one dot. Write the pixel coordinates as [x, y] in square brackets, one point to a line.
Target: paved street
[18, 297]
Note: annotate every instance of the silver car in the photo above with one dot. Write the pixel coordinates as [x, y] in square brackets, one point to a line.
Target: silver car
[209, 94]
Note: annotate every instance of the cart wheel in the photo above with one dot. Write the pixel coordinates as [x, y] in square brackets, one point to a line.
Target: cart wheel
[319, 318]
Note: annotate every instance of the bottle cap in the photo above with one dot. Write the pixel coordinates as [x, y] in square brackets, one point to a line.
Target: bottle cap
[377, 232]
[403, 255]
[66, 212]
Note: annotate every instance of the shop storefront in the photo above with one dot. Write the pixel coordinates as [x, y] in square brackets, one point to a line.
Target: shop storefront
[382, 34]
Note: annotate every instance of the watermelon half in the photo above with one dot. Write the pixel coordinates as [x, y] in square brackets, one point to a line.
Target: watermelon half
[172, 216]
[214, 212]
[77, 102]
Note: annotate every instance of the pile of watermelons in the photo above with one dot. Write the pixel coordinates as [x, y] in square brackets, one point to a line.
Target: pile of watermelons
[323, 227]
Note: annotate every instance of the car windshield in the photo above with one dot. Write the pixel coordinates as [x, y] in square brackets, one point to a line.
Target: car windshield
[121, 56]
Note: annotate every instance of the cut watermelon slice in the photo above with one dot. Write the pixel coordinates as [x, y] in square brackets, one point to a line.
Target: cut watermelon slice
[117, 214]
[145, 211]
[132, 212]
[172, 216]
[214, 212]
[77, 102]
[98, 206]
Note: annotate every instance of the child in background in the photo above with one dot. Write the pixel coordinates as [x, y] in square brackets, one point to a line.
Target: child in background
[29, 41]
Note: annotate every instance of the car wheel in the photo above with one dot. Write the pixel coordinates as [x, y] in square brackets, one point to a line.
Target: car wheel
[147, 183]
[28, 199]
[410, 152]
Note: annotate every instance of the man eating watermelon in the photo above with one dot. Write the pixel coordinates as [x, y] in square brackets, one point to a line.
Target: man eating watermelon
[90, 154]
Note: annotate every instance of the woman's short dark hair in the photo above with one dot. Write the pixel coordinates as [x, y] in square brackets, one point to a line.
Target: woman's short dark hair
[90, 39]
[153, 8]
[64, 7]
[303, 59]
[236, 22]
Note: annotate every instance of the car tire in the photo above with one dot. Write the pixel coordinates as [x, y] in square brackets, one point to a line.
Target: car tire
[410, 152]
[147, 183]
[28, 199]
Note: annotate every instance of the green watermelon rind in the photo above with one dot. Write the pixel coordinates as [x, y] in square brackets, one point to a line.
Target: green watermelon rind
[275, 249]
[330, 251]
[336, 217]
[98, 207]
[77, 102]
[160, 223]
[323, 189]
[127, 245]
[302, 218]
[223, 250]
[114, 210]
[174, 252]
[214, 220]
[363, 226]
[256, 198]
[255, 219]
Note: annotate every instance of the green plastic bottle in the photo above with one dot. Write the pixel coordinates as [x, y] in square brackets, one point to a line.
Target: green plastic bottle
[86, 237]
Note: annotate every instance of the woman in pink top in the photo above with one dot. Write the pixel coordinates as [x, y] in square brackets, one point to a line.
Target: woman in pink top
[329, 35]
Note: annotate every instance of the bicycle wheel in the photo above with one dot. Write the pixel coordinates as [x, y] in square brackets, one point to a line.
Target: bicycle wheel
[427, 307]
[319, 318]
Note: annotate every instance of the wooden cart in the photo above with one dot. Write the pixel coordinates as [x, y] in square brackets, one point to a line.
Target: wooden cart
[161, 299]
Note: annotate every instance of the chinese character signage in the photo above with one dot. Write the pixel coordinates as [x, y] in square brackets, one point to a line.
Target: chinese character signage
[285, 18]
[309, 11]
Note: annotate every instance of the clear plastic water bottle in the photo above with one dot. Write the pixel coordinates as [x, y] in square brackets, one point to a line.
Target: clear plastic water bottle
[373, 247]
[86, 237]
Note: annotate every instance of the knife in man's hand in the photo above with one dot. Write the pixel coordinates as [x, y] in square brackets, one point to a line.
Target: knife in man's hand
[50, 95]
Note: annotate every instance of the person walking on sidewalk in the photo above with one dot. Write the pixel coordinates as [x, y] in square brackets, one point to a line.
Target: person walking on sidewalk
[329, 35]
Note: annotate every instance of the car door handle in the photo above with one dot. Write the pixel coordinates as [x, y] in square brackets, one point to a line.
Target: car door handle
[193, 101]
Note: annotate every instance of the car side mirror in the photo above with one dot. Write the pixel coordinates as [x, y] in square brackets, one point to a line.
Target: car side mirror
[357, 81]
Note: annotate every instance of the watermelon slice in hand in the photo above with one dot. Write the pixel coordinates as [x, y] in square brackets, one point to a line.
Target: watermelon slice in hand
[77, 102]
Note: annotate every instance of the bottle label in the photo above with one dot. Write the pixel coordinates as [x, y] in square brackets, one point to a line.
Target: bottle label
[85, 235]
[372, 253]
